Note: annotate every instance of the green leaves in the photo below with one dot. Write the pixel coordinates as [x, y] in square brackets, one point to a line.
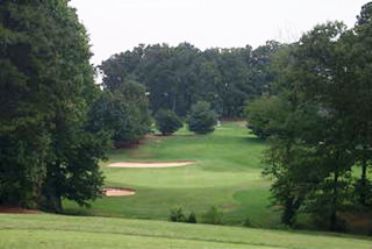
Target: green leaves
[167, 122]
[202, 119]
[320, 115]
[123, 112]
[178, 77]
[266, 115]
[46, 86]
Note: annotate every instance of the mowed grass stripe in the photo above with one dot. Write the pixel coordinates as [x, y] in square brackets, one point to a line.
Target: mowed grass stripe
[85, 240]
[42, 228]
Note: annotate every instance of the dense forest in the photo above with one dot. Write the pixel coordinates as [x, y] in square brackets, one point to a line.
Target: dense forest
[178, 77]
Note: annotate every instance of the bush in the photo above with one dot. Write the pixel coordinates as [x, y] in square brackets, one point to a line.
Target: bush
[167, 122]
[213, 216]
[177, 215]
[192, 218]
[202, 119]
[247, 223]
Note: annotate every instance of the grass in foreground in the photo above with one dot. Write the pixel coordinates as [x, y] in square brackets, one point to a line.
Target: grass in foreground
[65, 232]
[227, 174]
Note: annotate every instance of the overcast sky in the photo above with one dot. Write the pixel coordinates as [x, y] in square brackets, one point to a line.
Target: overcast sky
[118, 25]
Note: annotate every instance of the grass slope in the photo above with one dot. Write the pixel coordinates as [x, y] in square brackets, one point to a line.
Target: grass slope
[227, 174]
[65, 232]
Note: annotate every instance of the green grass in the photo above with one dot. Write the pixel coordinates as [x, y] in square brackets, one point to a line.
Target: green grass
[227, 174]
[42, 231]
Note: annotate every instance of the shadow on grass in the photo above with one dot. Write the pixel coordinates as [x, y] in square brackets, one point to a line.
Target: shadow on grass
[80, 211]
[253, 140]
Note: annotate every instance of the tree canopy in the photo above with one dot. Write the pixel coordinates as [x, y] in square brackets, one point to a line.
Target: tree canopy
[47, 151]
[319, 123]
[178, 77]
[167, 122]
[123, 113]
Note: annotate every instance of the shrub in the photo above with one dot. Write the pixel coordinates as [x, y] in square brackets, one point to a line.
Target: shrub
[213, 216]
[202, 119]
[192, 218]
[167, 122]
[247, 223]
[177, 215]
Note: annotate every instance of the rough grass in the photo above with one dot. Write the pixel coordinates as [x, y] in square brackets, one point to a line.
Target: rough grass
[42, 231]
[227, 174]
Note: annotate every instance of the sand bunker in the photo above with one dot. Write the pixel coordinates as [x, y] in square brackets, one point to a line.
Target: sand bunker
[146, 165]
[116, 192]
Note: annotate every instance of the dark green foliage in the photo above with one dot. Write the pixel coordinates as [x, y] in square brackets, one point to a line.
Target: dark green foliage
[177, 215]
[46, 87]
[167, 122]
[213, 216]
[202, 119]
[319, 129]
[178, 77]
[123, 112]
[247, 223]
[363, 188]
[265, 116]
[365, 14]
[192, 218]
[22, 172]
[358, 43]
[286, 166]
[303, 139]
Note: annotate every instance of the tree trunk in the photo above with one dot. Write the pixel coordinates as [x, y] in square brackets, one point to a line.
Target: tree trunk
[54, 204]
[334, 207]
[174, 104]
[52, 201]
[291, 207]
[363, 183]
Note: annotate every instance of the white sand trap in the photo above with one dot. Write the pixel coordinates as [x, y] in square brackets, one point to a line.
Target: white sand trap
[116, 192]
[147, 165]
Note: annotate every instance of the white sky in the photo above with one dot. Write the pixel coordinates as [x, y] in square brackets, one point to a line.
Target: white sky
[118, 25]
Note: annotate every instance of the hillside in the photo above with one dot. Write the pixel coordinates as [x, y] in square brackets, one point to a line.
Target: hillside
[42, 231]
[226, 173]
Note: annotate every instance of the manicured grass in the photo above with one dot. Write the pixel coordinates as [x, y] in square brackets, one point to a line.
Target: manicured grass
[65, 232]
[226, 174]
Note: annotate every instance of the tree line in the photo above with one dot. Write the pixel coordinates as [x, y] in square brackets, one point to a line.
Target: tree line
[179, 84]
[178, 77]
[318, 121]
